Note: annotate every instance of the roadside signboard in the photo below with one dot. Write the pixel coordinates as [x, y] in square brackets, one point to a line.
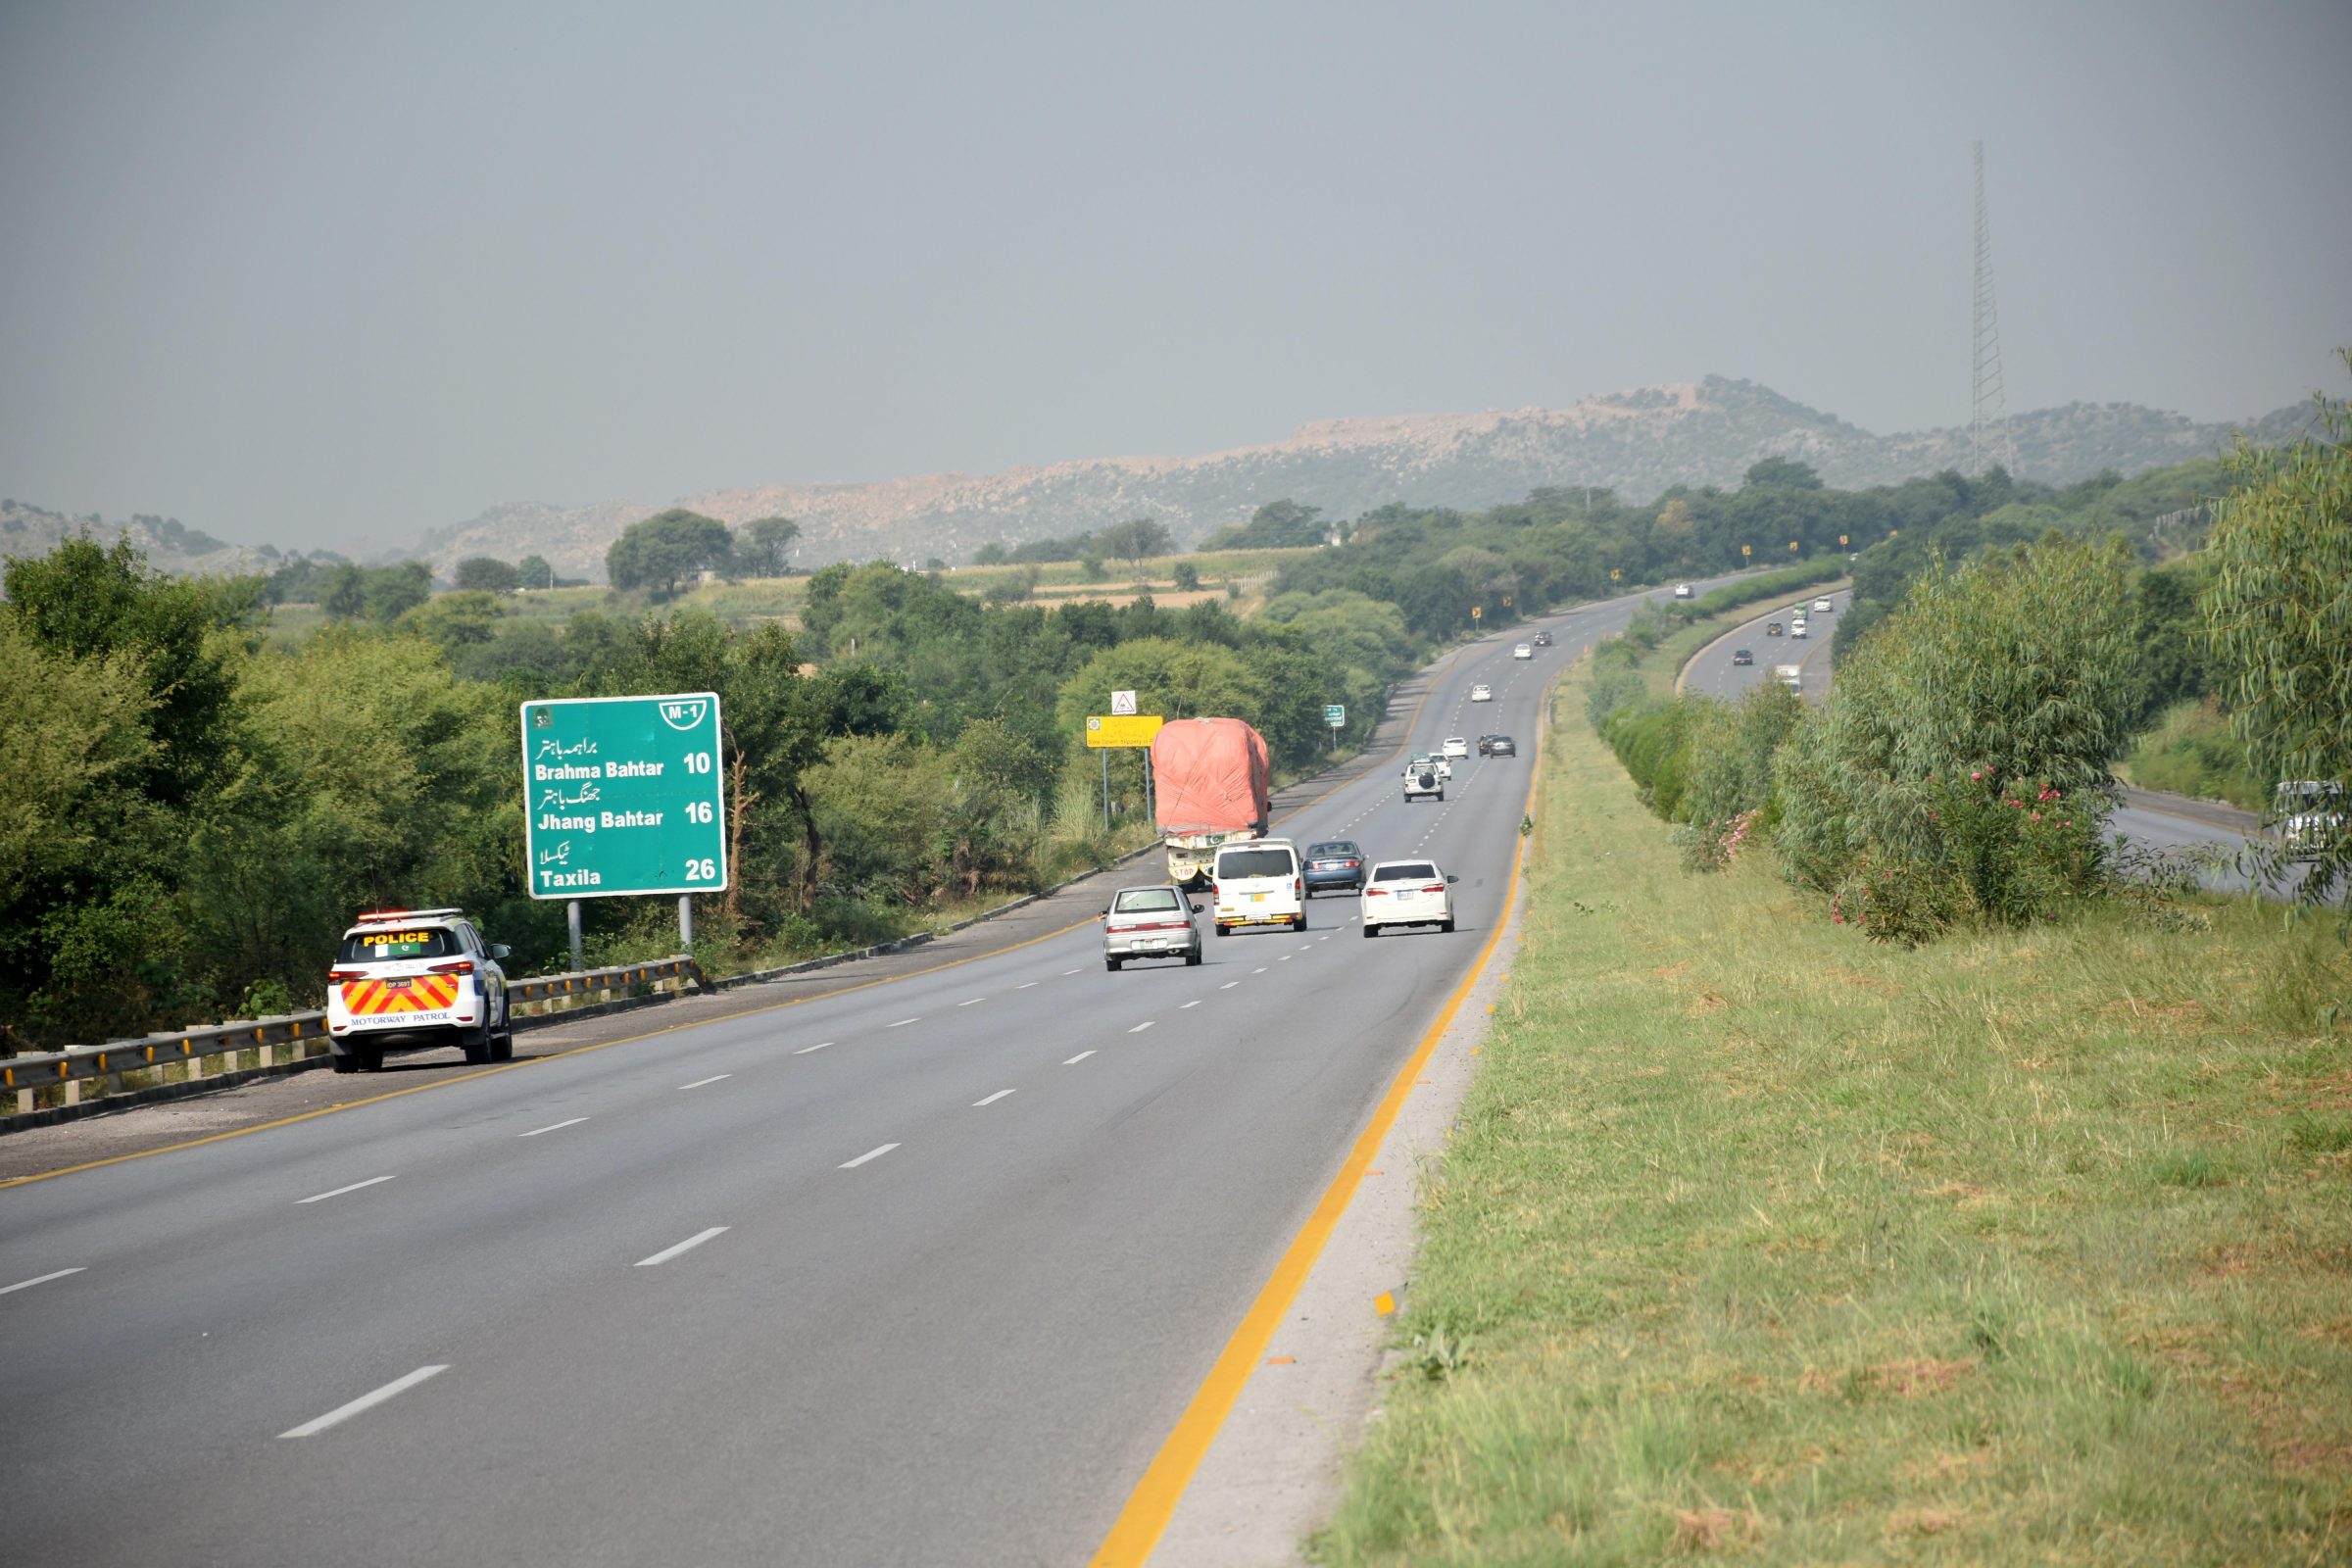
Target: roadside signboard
[1115, 730]
[1335, 714]
[1123, 704]
[623, 795]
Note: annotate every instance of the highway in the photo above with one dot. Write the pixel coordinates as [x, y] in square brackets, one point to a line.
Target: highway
[1711, 668]
[920, 1271]
[2145, 820]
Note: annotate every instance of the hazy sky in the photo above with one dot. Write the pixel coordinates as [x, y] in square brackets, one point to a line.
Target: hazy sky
[309, 272]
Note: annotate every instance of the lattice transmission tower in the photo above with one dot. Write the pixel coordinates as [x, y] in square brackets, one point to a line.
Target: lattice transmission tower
[1989, 439]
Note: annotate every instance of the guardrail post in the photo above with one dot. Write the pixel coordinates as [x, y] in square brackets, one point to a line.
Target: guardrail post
[23, 1101]
[72, 1092]
[195, 1059]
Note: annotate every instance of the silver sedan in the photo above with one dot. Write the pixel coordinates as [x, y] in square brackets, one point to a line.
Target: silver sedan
[1152, 922]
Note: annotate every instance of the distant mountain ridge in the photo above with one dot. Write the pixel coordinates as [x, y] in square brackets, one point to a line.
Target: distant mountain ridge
[1638, 443]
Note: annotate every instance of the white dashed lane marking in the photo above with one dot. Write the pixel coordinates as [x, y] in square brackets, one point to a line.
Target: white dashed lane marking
[1141, 1027]
[1075, 1060]
[38, 1279]
[701, 1083]
[366, 1402]
[871, 1153]
[991, 1099]
[553, 1127]
[320, 1198]
[820, 1046]
[904, 1022]
[686, 1246]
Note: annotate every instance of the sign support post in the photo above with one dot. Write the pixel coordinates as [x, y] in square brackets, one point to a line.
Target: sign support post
[572, 920]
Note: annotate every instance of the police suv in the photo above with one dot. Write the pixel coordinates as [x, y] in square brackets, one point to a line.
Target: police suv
[405, 972]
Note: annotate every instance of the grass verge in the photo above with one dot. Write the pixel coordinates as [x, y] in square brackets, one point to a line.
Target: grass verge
[1758, 1240]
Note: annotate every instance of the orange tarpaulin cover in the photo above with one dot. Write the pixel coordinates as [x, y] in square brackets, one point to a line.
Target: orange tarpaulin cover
[1210, 775]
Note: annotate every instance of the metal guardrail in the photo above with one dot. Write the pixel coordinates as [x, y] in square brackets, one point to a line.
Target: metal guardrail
[24, 1075]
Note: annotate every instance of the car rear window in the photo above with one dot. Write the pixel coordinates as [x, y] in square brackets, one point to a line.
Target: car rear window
[1321, 850]
[398, 941]
[1254, 862]
[1405, 871]
[1146, 898]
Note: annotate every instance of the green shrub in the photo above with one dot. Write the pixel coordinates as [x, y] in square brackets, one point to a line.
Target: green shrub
[1958, 773]
[1621, 686]
[2192, 752]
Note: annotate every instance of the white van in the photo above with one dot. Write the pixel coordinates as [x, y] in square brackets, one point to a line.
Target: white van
[1259, 883]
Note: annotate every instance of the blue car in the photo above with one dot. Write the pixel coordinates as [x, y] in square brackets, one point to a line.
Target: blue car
[1335, 863]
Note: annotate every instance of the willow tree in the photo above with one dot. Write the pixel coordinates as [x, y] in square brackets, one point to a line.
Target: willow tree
[2280, 612]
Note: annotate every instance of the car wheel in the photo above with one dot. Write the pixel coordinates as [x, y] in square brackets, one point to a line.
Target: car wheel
[1446, 924]
[1192, 958]
[346, 1060]
[1300, 924]
[1369, 930]
[503, 1047]
[1112, 964]
[1222, 928]
[371, 1056]
[480, 1047]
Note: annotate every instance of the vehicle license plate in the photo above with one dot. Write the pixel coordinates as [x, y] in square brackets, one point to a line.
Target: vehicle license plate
[1257, 898]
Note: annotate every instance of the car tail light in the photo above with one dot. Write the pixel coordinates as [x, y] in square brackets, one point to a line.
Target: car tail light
[1435, 887]
[1376, 893]
[461, 967]
[1158, 925]
[1298, 887]
[333, 976]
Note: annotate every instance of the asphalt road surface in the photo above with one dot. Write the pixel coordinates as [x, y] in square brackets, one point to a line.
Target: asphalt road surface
[1711, 669]
[917, 1272]
[2147, 819]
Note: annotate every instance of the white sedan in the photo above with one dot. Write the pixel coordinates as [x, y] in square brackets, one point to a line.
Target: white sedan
[1408, 893]
[1455, 746]
[1523, 650]
[1482, 693]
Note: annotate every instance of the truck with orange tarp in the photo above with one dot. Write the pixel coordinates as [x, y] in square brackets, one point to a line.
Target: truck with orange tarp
[1210, 775]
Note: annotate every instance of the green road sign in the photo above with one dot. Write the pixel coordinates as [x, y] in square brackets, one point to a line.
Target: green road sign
[623, 795]
[1335, 714]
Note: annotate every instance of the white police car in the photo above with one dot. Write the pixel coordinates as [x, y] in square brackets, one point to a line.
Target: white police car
[416, 972]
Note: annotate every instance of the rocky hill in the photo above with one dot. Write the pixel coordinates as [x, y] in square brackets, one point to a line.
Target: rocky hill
[170, 546]
[1638, 443]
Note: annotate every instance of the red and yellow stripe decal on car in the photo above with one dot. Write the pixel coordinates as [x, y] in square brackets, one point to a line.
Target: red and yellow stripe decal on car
[424, 992]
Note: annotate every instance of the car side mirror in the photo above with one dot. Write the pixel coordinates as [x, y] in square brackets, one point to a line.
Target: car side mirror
[499, 949]
[1196, 909]
[1452, 880]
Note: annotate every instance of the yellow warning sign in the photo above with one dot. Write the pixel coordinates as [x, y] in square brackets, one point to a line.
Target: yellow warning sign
[1122, 729]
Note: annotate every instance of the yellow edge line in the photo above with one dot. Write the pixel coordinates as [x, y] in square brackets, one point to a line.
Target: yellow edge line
[1152, 1502]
